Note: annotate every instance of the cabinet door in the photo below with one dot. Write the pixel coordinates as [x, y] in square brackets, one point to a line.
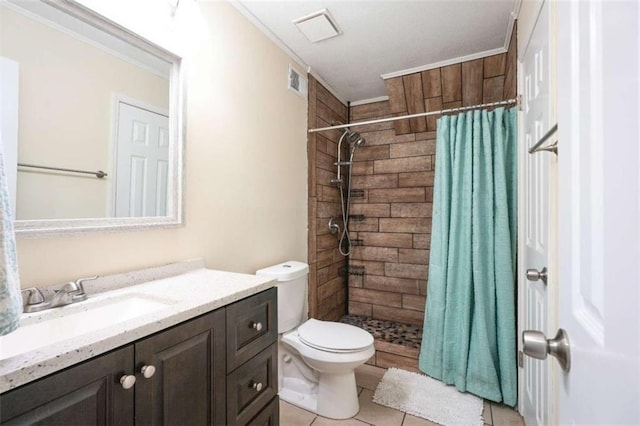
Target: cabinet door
[188, 387]
[86, 394]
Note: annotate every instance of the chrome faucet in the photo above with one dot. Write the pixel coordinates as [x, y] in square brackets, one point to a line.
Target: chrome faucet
[32, 300]
[71, 292]
[66, 295]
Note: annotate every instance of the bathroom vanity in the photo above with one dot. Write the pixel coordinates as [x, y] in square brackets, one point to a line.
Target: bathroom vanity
[208, 358]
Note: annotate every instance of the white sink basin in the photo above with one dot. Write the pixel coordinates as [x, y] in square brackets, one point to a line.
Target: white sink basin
[59, 324]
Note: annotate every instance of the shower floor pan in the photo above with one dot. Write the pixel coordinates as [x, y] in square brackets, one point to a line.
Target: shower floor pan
[397, 344]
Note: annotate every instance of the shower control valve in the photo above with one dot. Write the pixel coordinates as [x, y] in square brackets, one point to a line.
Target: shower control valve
[334, 228]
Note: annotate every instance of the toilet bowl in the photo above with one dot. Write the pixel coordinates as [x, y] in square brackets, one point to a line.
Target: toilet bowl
[336, 393]
[316, 359]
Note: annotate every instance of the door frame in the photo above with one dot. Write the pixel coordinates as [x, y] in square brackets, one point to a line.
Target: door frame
[528, 16]
[116, 100]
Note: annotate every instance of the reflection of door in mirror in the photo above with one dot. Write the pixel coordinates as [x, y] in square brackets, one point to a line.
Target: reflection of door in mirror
[141, 159]
[68, 76]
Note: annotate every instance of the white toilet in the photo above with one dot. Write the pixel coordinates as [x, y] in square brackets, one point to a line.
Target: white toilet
[316, 359]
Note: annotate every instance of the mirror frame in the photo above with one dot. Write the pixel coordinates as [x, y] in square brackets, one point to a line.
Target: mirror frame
[177, 91]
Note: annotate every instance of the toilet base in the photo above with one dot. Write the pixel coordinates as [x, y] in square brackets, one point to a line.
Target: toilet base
[331, 395]
[293, 395]
[338, 396]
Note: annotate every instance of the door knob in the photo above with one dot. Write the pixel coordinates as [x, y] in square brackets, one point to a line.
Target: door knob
[536, 345]
[256, 326]
[535, 275]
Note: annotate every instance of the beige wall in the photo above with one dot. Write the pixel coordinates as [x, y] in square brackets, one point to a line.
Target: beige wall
[246, 190]
[65, 116]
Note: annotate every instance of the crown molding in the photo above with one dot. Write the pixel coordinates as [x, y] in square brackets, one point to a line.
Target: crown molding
[451, 61]
[370, 100]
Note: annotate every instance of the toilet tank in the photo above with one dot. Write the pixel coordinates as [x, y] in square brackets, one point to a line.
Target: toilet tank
[292, 279]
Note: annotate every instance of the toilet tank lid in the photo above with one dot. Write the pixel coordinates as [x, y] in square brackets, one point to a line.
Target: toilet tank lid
[285, 271]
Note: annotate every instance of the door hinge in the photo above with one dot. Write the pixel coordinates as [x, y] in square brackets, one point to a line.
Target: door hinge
[520, 359]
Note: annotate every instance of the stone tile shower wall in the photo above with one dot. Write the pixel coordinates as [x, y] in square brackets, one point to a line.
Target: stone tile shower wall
[327, 288]
[394, 172]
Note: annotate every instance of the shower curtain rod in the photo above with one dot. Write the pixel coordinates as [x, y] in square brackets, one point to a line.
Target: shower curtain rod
[422, 114]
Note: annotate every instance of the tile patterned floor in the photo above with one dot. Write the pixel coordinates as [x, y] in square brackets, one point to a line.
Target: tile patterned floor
[367, 378]
[390, 331]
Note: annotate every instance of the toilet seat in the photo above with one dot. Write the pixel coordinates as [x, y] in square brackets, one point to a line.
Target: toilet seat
[336, 358]
[334, 336]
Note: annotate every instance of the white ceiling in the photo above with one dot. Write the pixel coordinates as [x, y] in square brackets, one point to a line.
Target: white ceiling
[383, 37]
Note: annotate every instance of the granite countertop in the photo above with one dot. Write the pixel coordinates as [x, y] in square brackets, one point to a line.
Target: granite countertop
[194, 291]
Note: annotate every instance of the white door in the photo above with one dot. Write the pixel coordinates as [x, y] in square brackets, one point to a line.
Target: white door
[537, 206]
[142, 162]
[599, 210]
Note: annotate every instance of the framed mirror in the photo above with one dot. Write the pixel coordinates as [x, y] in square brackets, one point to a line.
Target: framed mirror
[92, 122]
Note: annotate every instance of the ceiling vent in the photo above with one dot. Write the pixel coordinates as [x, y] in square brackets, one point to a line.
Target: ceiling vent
[297, 83]
[318, 26]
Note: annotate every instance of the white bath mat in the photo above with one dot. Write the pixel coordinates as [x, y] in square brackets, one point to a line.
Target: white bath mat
[430, 399]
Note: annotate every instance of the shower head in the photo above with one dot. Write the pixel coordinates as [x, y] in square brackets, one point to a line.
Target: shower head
[354, 138]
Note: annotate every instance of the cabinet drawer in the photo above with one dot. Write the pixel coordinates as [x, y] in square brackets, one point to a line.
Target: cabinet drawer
[269, 416]
[251, 327]
[251, 386]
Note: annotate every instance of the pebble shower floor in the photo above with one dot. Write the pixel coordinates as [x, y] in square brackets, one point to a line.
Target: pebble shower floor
[390, 331]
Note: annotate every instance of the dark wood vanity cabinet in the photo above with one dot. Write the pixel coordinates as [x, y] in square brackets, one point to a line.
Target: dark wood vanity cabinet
[188, 385]
[85, 394]
[251, 327]
[192, 383]
[269, 416]
[252, 358]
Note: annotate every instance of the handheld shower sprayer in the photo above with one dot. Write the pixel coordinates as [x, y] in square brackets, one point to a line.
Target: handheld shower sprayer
[355, 140]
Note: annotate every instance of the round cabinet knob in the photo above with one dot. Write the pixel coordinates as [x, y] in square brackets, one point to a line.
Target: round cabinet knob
[257, 386]
[257, 326]
[127, 381]
[148, 371]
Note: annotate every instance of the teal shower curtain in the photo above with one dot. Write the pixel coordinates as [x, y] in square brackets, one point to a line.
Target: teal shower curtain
[469, 335]
[10, 297]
